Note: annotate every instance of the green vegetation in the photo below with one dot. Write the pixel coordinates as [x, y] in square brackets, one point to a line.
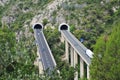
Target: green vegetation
[91, 17]
[16, 59]
[95, 21]
[18, 51]
[57, 48]
[105, 64]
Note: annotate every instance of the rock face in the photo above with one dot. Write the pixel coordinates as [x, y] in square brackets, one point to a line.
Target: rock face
[7, 20]
[49, 12]
[3, 2]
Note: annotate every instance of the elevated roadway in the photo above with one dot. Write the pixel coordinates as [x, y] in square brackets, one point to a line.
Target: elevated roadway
[77, 45]
[45, 53]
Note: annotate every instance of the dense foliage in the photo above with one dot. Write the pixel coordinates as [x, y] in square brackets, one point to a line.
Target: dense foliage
[57, 48]
[17, 46]
[90, 20]
[105, 64]
[16, 59]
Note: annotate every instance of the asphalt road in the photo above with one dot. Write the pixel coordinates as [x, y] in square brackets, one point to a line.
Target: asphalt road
[77, 45]
[47, 61]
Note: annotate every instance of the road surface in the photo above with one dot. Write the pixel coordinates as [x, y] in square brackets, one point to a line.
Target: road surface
[44, 51]
[77, 45]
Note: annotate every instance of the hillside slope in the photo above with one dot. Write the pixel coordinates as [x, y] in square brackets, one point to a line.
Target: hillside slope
[88, 19]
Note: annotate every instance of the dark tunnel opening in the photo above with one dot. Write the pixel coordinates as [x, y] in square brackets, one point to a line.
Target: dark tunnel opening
[37, 26]
[64, 27]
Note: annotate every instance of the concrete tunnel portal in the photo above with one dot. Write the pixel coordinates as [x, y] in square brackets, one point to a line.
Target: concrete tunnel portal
[63, 26]
[38, 26]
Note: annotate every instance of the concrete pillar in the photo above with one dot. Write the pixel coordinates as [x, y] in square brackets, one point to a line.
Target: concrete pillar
[88, 73]
[40, 65]
[39, 61]
[75, 63]
[72, 56]
[81, 68]
[75, 58]
[62, 38]
[67, 51]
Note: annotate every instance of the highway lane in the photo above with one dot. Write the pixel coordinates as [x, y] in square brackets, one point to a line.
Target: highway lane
[77, 45]
[47, 61]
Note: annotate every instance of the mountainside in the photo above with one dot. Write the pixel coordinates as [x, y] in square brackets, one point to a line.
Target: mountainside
[88, 20]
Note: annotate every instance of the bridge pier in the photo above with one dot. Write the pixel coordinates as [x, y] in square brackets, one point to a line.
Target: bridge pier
[76, 49]
[81, 68]
[62, 38]
[88, 73]
[72, 56]
[67, 51]
[40, 66]
[74, 60]
[75, 63]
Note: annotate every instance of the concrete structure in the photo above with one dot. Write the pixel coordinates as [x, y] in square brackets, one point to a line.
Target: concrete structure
[64, 26]
[37, 26]
[45, 55]
[75, 48]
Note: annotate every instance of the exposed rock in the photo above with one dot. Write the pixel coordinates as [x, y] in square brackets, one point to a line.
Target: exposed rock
[3, 2]
[47, 13]
[7, 20]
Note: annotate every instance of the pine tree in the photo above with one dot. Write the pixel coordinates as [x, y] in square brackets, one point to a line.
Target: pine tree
[97, 63]
[112, 55]
[105, 64]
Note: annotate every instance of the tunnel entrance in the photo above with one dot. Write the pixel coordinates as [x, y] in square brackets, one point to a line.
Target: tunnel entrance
[64, 26]
[38, 26]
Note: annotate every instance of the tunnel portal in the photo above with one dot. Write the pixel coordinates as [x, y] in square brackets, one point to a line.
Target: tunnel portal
[64, 26]
[38, 26]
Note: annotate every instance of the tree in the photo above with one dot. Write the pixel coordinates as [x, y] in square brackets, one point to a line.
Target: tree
[45, 21]
[97, 62]
[7, 47]
[105, 64]
[112, 55]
